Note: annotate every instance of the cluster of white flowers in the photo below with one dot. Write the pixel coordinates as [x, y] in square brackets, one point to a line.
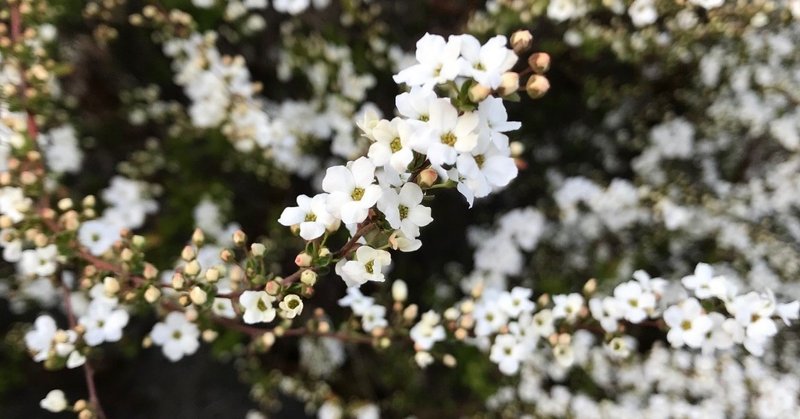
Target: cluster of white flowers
[61, 149]
[46, 341]
[372, 315]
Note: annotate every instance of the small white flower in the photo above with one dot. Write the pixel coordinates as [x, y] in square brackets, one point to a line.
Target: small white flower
[607, 311]
[687, 323]
[103, 323]
[705, 284]
[98, 235]
[176, 335]
[427, 331]
[369, 265]
[257, 307]
[484, 169]
[55, 401]
[486, 63]
[506, 353]
[357, 301]
[310, 214]
[352, 190]
[405, 211]
[447, 133]
[516, 302]
[636, 303]
[643, 12]
[39, 262]
[291, 306]
[437, 62]
[567, 306]
[40, 338]
[392, 144]
[399, 241]
[542, 323]
[373, 318]
[223, 307]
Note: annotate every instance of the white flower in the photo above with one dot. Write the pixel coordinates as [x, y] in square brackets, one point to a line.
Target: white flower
[708, 4]
[39, 262]
[516, 302]
[373, 318]
[103, 323]
[687, 323]
[257, 307]
[643, 12]
[542, 323]
[12, 245]
[607, 311]
[405, 211]
[484, 169]
[620, 347]
[14, 203]
[310, 214]
[489, 318]
[486, 64]
[98, 235]
[55, 401]
[506, 353]
[635, 302]
[368, 265]
[223, 307]
[399, 241]
[357, 301]
[352, 191]
[705, 284]
[416, 107]
[39, 339]
[447, 133]
[567, 306]
[330, 410]
[392, 144]
[437, 62]
[754, 312]
[494, 121]
[427, 331]
[654, 285]
[176, 335]
[291, 306]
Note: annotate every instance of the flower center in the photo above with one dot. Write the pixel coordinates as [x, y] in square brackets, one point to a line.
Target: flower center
[177, 335]
[633, 303]
[449, 139]
[686, 325]
[311, 217]
[479, 160]
[424, 118]
[357, 194]
[293, 304]
[261, 305]
[403, 211]
[369, 266]
[396, 145]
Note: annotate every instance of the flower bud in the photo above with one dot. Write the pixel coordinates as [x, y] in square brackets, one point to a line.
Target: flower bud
[521, 40]
[509, 83]
[212, 275]
[149, 271]
[177, 281]
[449, 360]
[427, 178]
[272, 288]
[303, 260]
[258, 249]
[539, 62]
[198, 238]
[226, 255]
[239, 238]
[65, 204]
[126, 255]
[152, 294]
[198, 296]
[308, 277]
[110, 285]
[324, 252]
[209, 335]
[192, 268]
[537, 86]
[590, 286]
[478, 93]
[410, 313]
[88, 201]
[188, 254]
[399, 290]
[268, 339]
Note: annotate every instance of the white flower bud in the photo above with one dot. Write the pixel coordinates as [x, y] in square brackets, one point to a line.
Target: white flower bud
[192, 268]
[308, 277]
[258, 249]
[54, 401]
[110, 285]
[152, 294]
[399, 290]
[198, 296]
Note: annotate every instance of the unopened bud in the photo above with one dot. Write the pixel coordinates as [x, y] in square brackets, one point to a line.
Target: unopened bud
[590, 287]
[449, 360]
[427, 178]
[410, 313]
[212, 275]
[258, 249]
[324, 252]
[303, 260]
[88, 201]
[516, 148]
[126, 255]
[272, 288]
[177, 281]
[149, 271]
[399, 290]
[152, 294]
[65, 204]
[184, 300]
[478, 93]
[537, 86]
[198, 296]
[226, 255]
[192, 268]
[308, 277]
[509, 83]
[110, 285]
[539, 62]
[79, 405]
[209, 335]
[521, 41]
[268, 339]
[198, 238]
[239, 238]
[188, 254]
